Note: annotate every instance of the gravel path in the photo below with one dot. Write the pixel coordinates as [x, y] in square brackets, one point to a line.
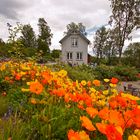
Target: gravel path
[135, 84]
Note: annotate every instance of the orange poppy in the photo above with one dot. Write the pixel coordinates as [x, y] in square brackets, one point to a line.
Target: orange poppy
[86, 122]
[96, 82]
[116, 118]
[17, 76]
[104, 113]
[46, 75]
[36, 87]
[136, 117]
[112, 133]
[83, 135]
[92, 111]
[33, 101]
[89, 83]
[73, 135]
[101, 127]
[128, 118]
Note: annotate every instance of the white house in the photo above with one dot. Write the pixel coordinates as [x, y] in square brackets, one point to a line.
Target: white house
[74, 48]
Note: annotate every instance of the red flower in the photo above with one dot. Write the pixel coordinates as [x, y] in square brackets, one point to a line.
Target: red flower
[114, 80]
[73, 135]
[112, 133]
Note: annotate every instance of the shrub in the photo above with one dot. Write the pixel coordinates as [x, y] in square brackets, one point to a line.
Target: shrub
[80, 73]
[126, 73]
[104, 71]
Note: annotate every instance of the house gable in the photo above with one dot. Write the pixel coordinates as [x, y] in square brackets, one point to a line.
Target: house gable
[76, 34]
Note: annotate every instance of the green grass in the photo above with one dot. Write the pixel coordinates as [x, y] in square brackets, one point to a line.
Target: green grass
[3, 105]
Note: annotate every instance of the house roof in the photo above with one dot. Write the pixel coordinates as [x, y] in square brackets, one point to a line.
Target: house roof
[74, 33]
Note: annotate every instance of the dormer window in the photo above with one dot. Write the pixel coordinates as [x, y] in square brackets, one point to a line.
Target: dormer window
[74, 41]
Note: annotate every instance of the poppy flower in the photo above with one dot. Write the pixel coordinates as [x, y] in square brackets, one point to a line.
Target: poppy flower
[96, 82]
[112, 133]
[106, 80]
[62, 73]
[83, 82]
[86, 122]
[73, 135]
[114, 80]
[33, 101]
[92, 111]
[36, 87]
[83, 135]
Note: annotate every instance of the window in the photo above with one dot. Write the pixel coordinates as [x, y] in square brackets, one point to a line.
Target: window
[69, 55]
[74, 41]
[79, 56]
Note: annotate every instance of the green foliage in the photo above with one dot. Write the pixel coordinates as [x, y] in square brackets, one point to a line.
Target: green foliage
[3, 48]
[45, 35]
[16, 45]
[4, 103]
[104, 47]
[76, 27]
[29, 52]
[104, 71]
[84, 72]
[100, 42]
[56, 53]
[126, 73]
[50, 117]
[80, 73]
[132, 55]
[122, 72]
[28, 38]
[125, 18]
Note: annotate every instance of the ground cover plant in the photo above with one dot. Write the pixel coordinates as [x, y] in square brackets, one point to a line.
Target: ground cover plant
[45, 104]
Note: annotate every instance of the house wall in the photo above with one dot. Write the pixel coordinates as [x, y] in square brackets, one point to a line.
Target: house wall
[82, 47]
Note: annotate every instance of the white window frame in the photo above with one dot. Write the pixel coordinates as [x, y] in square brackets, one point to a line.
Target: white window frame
[79, 56]
[69, 55]
[74, 41]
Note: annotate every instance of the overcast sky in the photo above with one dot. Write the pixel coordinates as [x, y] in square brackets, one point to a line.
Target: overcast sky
[57, 13]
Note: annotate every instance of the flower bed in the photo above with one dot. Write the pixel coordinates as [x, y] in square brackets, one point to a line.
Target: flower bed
[47, 104]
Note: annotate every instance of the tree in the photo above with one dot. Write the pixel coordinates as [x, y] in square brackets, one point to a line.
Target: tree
[14, 43]
[110, 49]
[44, 38]
[28, 38]
[104, 46]
[124, 18]
[56, 53]
[76, 27]
[3, 50]
[132, 54]
[100, 42]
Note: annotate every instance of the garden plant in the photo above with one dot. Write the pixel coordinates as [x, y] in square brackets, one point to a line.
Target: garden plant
[40, 103]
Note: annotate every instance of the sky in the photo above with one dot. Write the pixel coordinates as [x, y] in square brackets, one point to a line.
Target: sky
[58, 14]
